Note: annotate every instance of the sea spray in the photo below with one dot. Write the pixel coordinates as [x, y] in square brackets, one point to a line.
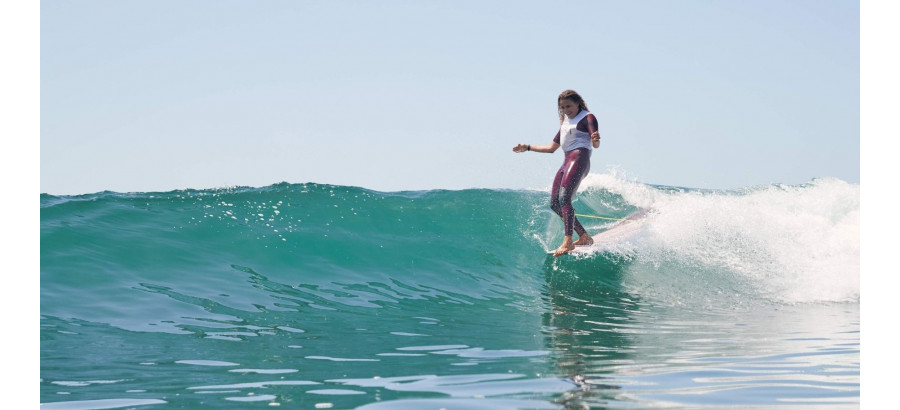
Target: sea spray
[793, 244]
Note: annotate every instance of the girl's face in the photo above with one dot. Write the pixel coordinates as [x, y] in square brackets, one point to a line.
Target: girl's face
[568, 107]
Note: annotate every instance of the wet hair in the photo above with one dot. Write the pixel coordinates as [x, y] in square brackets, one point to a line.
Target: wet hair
[572, 96]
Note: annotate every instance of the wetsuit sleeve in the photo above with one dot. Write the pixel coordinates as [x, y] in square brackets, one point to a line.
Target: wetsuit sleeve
[556, 138]
[588, 124]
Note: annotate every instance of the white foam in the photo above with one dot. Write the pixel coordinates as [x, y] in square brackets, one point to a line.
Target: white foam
[794, 244]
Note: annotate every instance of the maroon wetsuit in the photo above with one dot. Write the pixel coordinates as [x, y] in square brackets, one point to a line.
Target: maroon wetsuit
[575, 167]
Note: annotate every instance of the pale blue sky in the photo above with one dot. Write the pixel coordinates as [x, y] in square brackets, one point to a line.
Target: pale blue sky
[391, 95]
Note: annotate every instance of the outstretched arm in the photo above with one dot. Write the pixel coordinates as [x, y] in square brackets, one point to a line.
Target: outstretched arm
[549, 149]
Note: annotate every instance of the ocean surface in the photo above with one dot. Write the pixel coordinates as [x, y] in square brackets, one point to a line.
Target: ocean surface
[321, 296]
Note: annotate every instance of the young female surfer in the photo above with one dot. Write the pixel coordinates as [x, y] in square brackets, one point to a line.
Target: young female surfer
[578, 137]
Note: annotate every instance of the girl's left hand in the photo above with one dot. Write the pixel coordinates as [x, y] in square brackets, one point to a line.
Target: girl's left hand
[595, 136]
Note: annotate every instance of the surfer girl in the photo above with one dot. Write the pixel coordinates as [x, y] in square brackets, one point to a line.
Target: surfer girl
[578, 137]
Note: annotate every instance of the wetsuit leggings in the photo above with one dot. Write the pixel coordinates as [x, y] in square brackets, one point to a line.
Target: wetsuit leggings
[576, 165]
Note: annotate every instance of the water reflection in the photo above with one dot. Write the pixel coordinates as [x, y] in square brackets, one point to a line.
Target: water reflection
[588, 339]
[588, 311]
[625, 349]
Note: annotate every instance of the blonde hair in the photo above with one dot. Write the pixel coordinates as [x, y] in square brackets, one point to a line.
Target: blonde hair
[572, 96]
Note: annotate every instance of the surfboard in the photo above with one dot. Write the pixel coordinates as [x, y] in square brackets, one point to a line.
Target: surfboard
[579, 249]
[619, 232]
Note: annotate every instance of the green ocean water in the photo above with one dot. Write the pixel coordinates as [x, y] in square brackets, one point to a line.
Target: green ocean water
[323, 296]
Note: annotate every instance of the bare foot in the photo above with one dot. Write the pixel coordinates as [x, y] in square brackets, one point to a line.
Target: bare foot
[562, 250]
[584, 240]
[566, 246]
